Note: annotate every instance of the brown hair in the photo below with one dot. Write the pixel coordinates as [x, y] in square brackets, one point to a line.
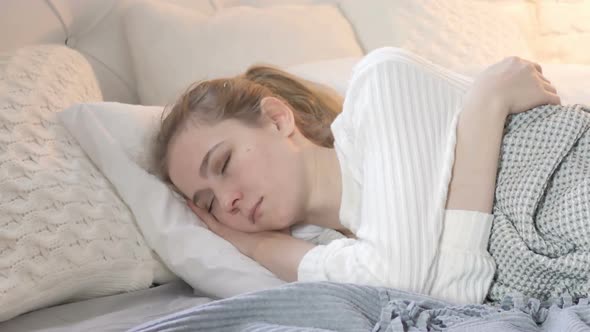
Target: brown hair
[314, 106]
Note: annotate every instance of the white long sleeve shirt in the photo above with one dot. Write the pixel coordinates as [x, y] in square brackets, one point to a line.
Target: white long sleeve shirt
[395, 141]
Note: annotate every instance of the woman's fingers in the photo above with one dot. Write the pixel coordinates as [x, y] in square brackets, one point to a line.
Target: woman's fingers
[205, 217]
[553, 99]
[549, 88]
[544, 79]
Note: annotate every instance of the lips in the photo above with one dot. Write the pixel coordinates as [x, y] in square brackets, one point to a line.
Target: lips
[254, 211]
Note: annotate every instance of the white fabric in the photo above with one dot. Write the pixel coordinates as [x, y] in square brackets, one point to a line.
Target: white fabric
[114, 135]
[564, 32]
[449, 32]
[64, 233]
[93, 27]
[172, 47]
[566, 78]
[395, 141]
[113, 313]
[334, 73]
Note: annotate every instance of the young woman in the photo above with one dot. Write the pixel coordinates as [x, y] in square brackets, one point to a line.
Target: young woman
[407, 171]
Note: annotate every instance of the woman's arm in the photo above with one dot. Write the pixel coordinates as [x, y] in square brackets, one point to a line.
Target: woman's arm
[479, 137]
[511, 86]
[277, 251]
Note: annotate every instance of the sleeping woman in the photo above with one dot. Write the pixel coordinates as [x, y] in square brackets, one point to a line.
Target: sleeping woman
[406, 167]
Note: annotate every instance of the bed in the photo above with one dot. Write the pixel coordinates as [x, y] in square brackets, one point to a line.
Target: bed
[78, 250]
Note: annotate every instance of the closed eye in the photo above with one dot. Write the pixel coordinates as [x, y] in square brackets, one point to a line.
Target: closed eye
[226, 163]
[211, 205]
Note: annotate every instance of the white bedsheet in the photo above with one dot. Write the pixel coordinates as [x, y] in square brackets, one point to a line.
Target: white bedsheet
[110, 313]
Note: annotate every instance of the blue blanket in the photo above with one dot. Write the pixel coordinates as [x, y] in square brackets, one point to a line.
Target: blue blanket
[325, 306]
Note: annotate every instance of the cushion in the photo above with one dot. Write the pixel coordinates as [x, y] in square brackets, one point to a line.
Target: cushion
[334, 73]
[64, 233]
[448, 32]
[564, 32]
[172, 47]
[117, 137]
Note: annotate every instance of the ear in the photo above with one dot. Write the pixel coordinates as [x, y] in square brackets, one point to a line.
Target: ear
[279, 114]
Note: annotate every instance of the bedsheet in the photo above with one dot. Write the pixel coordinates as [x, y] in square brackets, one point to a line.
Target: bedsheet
[111, 313]
[325, 306]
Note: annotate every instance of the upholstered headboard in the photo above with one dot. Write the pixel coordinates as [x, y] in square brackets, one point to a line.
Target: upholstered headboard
[93, 27]
[557, 31]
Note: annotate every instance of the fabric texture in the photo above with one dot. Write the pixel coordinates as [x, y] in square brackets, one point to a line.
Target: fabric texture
[173, 47]
[448, 32]
[328, 306]
[395, 141]
[64, 233]
[541, 234]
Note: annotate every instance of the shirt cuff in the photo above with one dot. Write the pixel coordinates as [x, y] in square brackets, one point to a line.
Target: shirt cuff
[466, 230]
[308, 269]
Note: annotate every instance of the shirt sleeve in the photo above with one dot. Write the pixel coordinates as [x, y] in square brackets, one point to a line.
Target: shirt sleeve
[464, 269]
[396, 138]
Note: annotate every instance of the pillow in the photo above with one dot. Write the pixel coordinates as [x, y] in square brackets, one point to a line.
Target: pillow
[564, 32]
[334, 73]
[64, 233]
[447, 32]
[117, 137]
[172, 47]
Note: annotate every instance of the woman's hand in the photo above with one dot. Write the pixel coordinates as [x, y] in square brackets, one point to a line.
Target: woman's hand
[278, 251]
[512, 85]
[245, 242]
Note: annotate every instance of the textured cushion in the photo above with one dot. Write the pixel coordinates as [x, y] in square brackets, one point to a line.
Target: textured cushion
[564, 32]
[172, 47]
[448, 32]
[64, 233]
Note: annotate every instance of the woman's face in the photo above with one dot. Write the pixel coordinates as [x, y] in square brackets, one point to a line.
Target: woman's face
[249, 178]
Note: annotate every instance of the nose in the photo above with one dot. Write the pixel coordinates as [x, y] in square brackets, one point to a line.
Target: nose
[230, 201]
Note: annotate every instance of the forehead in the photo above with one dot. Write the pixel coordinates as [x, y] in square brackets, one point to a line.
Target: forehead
[187, 150]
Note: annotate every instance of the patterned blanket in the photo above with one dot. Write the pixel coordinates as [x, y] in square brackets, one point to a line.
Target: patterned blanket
[541, 234]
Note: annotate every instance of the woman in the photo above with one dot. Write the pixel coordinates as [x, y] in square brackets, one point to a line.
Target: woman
[410, 178]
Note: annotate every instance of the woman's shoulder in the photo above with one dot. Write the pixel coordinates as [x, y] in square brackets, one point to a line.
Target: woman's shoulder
[395, 58]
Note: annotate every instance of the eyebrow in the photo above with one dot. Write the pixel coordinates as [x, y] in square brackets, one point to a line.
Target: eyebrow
[204, 167]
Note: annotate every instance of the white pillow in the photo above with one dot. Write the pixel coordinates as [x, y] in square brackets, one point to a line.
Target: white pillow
[64, 233]
[564, 32]
[172, 47]
[117, 137]
[334, 73]
[448, 32]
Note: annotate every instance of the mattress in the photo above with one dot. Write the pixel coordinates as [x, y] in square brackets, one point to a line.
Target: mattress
[110, 313]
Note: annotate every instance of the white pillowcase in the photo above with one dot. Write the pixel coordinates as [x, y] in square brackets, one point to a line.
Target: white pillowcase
[172, 47]
[117, 137]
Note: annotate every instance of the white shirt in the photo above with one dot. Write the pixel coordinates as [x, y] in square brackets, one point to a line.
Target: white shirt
[395, 140]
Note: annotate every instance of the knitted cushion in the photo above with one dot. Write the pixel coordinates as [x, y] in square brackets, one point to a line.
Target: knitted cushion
[64, 233]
